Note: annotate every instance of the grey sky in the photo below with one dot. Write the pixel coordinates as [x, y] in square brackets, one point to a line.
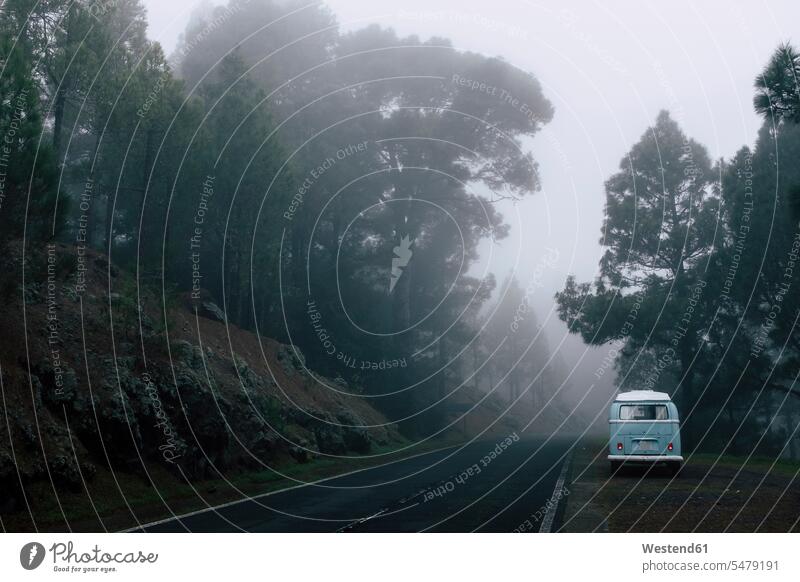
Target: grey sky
[608, 68]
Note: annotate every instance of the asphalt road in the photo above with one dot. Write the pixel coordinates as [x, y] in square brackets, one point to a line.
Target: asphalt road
[489, 486]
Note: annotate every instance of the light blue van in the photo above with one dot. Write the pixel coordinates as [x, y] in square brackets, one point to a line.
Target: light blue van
[644, 428]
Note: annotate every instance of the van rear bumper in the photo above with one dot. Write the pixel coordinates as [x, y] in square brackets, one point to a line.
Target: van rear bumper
[646, 458]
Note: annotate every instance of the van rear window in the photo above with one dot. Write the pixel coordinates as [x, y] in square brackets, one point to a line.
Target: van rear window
[643, 412]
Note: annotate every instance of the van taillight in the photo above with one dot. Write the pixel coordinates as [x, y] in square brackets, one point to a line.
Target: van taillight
[669, 447]
[619, 447]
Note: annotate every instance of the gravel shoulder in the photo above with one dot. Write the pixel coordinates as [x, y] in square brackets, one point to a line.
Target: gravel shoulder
[711, 494]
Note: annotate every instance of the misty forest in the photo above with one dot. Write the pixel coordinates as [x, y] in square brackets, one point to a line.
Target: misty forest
[261, 260]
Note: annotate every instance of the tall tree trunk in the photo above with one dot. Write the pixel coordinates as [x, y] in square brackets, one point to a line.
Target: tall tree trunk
[58, 121]
[90, 212]
[60, 98]
[689, 432]
[109, 224]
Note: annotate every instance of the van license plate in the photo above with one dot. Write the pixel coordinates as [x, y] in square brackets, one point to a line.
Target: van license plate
[647, 445]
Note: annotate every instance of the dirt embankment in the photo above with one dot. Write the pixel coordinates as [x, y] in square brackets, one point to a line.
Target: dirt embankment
[711, 494]
[106, 423]
[95, 399]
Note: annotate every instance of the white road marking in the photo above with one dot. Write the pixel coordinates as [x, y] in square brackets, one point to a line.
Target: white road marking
[549, 517]
[270, 493]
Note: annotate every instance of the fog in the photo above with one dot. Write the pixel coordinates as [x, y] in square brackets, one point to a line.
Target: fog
[608, 68]
[460, 260]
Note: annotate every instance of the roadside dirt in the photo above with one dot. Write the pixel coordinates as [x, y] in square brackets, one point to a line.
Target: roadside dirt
[85, 418]
[711, 494]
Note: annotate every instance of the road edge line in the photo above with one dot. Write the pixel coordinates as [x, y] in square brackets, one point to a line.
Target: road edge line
[550, 516]
[141, 528]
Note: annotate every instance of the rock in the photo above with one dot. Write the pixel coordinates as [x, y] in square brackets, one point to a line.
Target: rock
[211, 310]
[188, 354]
[71, 292]
[181, 350]
[33, 293]
[118, 425]
[127, 363]
[358, 440]
[29, 435]
[348, 418]
[38, 392]
[249, 378]
[207, 411]
[329, 435]
[55, 392]
[240, 364]
[355, 437]
[330, 439]
[300, 454]
[65, 472]
[300, 417]
[291, 359]
[264, 443]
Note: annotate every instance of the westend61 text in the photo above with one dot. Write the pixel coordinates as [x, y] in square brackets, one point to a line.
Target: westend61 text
[673, 549]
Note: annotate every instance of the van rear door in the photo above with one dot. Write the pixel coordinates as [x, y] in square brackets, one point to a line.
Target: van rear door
[647, 427]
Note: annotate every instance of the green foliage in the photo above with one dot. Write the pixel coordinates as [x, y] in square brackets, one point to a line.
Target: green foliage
[695, 270]
[189, 179]
[660, 211]
[777, 95]
[28, 177]
[778, 100]
[330, 91]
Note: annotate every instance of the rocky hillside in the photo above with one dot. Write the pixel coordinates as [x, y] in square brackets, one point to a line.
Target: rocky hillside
[91, 385]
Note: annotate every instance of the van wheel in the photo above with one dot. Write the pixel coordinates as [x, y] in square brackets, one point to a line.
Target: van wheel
[615, 466]
[675, 469]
